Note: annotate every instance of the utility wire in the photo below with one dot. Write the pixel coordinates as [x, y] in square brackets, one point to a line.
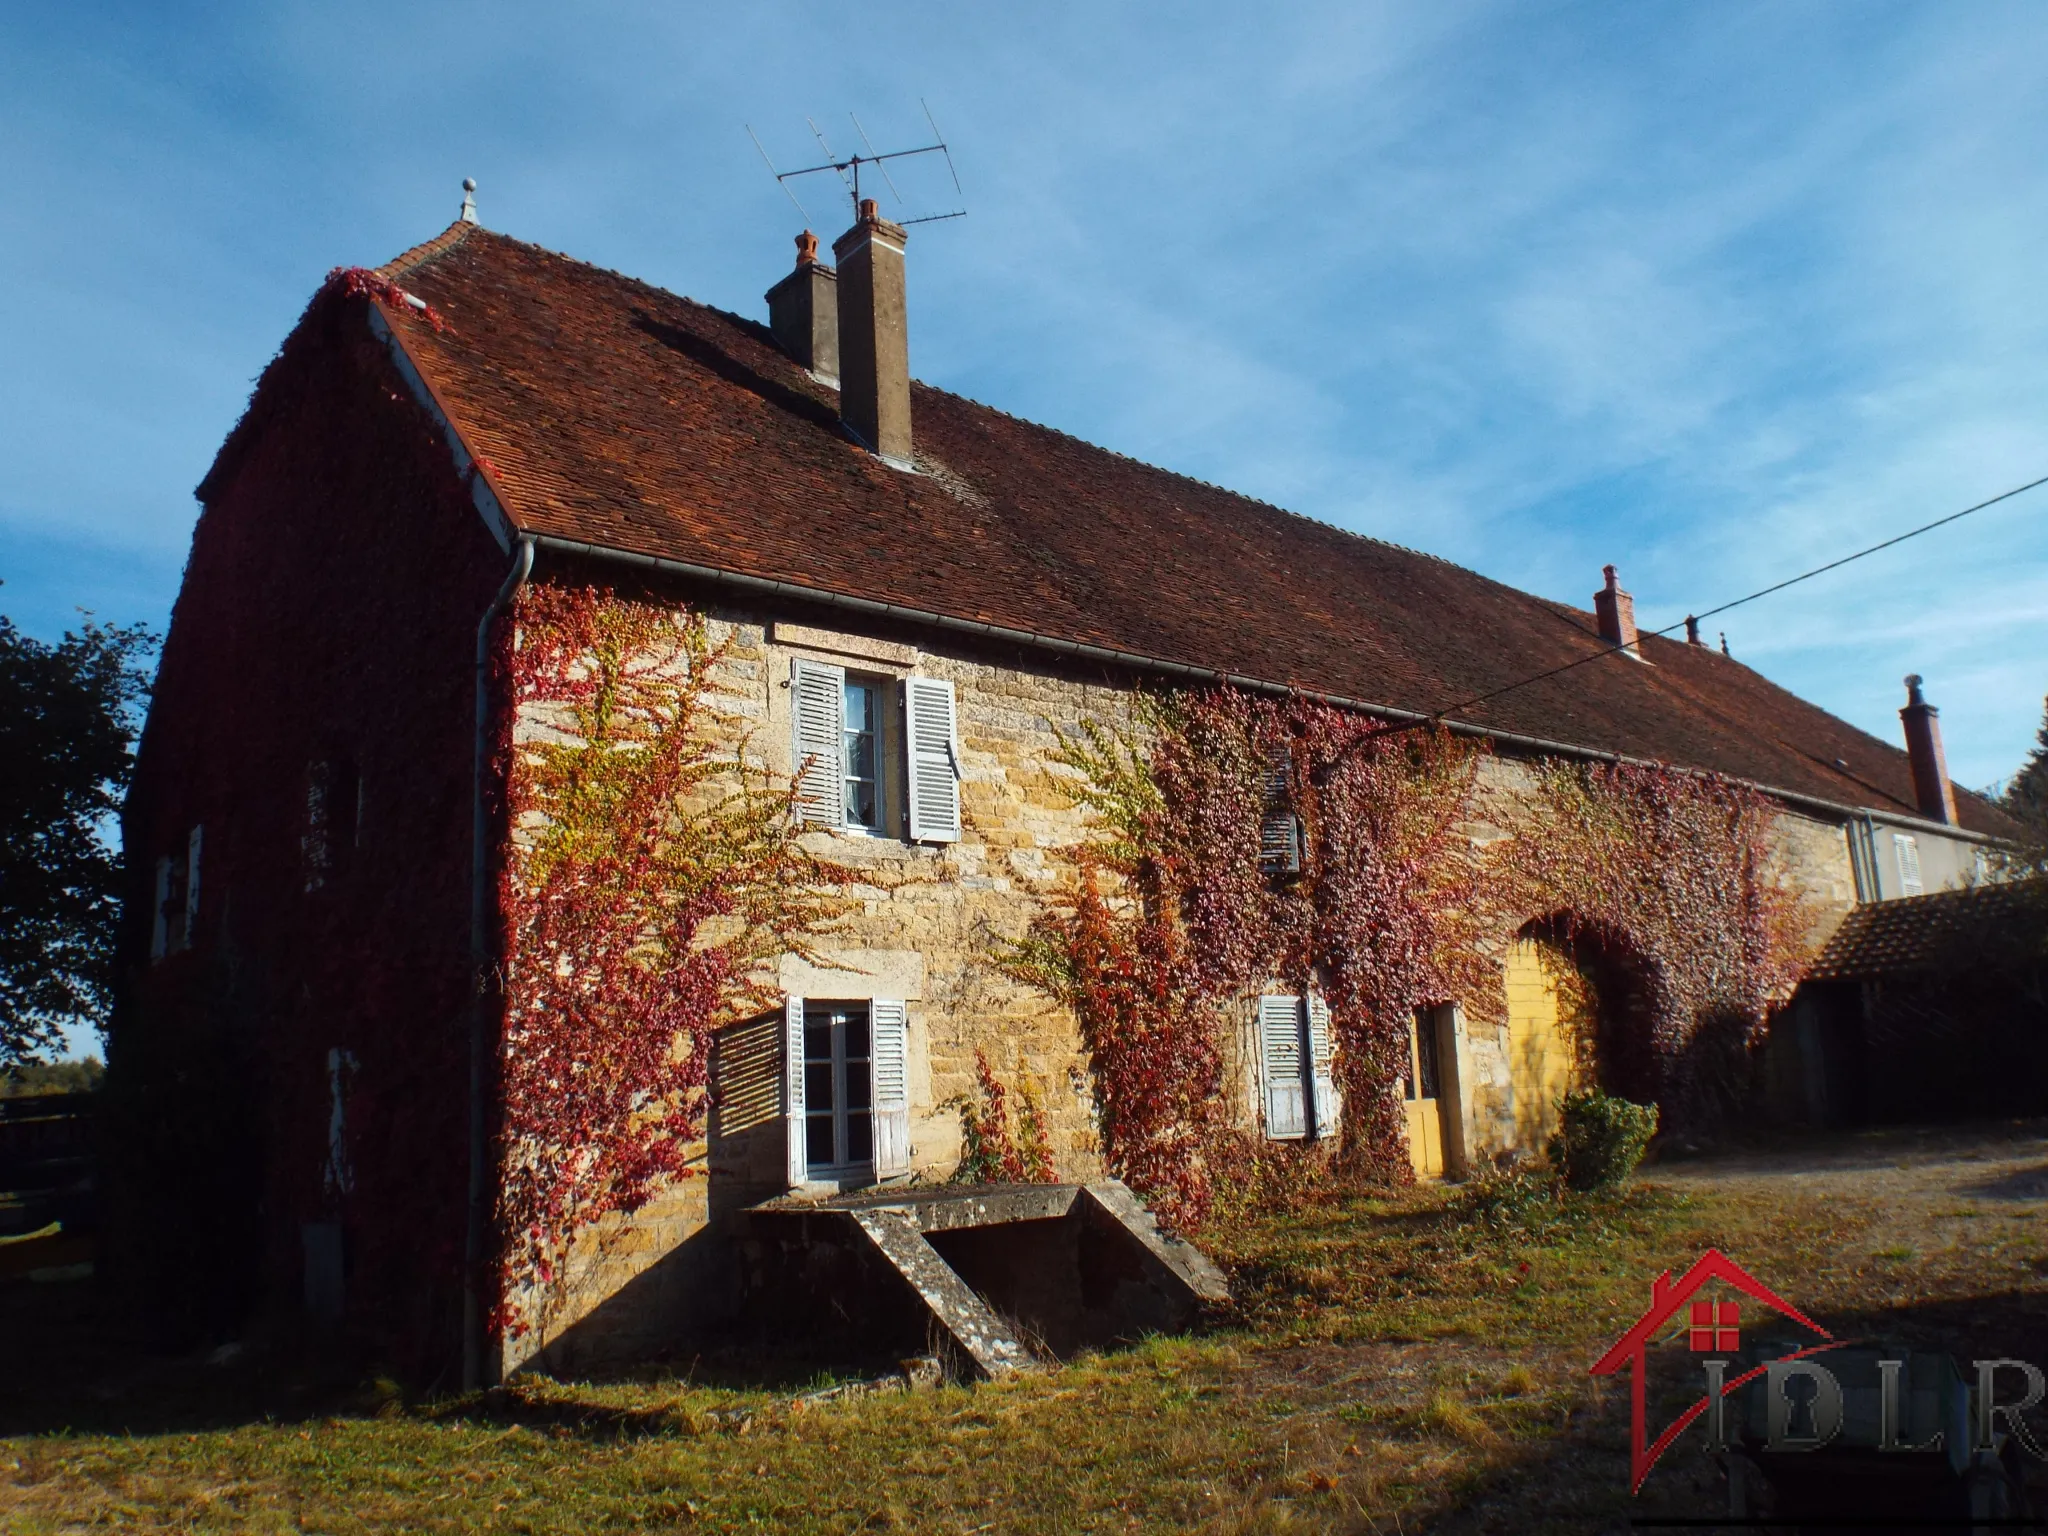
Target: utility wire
[1790, 581]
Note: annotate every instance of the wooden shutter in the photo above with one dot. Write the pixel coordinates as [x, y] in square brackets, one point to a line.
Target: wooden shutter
[192, 886]
[1909, 863]
[1327, 1105]
[934, 781]
[1279, 827]
[793, 1088]
[1280, 1067]
[891, 1047]
[818, 706]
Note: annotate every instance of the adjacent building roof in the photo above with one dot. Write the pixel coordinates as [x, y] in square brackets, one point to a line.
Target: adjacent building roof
[1921, 934]
[607, 411]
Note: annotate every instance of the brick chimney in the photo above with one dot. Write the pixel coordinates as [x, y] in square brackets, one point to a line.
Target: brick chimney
[1931, 787]
[803, 312]
[1616, 611]
[874, 340]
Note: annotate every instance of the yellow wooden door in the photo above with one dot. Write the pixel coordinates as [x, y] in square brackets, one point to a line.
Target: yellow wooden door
[1425, 1122]
[1547, 1029]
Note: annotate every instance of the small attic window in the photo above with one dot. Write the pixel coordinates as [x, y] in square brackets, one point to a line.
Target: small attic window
[334, 803]
[1281, 834]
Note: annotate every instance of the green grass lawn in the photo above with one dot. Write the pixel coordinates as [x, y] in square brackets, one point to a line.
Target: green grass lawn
[1402, 1362]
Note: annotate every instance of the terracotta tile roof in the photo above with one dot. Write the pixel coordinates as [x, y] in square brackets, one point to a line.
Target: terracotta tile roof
[609, 411]
[1926, 933]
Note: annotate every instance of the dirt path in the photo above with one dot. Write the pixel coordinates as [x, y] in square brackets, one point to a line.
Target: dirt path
[1939, 1198]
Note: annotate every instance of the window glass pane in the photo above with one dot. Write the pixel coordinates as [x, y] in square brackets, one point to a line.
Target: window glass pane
[859, 1085]
[856, 1035]
[818, 1085]
[1425, 1053]
[863, 796]
[860, 1138]
[818, 1141]
[817, 1038]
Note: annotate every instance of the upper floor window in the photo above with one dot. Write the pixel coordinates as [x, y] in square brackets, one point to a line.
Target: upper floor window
[874, 754]
[334, 794]
[863, 753]
[1907, 848]
[1281, 834]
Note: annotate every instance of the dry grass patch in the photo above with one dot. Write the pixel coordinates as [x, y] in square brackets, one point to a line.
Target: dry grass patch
[1400, 1360]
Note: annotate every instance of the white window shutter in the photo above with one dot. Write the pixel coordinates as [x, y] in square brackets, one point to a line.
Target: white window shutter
[1279, 827]
[1328, 1106]
[1908, 848]
[818, 708]
[1280, 1067]
[793, 1089]
[891, 1046]
[159, 928]
[934, 779]
[192, 886]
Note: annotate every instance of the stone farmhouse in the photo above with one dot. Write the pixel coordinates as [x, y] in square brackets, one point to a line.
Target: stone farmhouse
[916, 594]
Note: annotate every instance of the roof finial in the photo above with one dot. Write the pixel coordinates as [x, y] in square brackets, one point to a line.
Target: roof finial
[469, 199]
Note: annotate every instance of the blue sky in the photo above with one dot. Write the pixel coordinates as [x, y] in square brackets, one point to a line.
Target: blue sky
[1712, 292]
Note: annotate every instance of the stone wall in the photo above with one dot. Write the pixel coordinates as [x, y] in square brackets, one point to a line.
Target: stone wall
[924, 922]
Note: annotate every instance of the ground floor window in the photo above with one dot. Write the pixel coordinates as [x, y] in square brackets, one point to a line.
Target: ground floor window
[839, 1132]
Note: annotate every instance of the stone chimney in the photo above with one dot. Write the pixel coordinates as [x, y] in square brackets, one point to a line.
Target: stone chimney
[874, 341]
[1616, 611]
[803, 312]
[1931, 787]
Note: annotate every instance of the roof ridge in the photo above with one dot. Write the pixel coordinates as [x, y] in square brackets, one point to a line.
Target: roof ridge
[426, 250]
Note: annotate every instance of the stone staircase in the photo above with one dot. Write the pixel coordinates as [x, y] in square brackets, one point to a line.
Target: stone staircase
[1004, 1275]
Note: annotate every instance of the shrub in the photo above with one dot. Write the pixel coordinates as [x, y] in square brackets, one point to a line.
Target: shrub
[1600, 1139]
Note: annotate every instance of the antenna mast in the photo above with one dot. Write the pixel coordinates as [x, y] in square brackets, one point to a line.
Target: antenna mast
[848, 169]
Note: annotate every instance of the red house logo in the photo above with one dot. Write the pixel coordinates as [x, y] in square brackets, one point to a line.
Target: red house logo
[1713, 1328]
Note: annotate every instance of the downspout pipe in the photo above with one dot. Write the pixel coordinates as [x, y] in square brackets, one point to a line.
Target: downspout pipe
[475, 1346]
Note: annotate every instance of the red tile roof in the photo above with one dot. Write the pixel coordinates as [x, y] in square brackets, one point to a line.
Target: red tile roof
[1945, 930]
[612, 412]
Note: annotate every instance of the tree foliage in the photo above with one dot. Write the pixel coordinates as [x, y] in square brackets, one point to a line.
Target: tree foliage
[67, 731]
[2026, 798]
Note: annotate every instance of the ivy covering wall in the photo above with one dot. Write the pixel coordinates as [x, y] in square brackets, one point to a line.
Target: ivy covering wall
[654, 872]
[1405, 895]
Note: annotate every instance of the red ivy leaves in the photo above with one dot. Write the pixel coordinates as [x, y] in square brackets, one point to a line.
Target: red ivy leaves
[651, 876]
[1171, 921]
[990, 1152]
[1674, 870]
[362, 281]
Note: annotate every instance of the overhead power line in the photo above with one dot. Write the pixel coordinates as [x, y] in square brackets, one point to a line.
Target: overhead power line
[1790, 581]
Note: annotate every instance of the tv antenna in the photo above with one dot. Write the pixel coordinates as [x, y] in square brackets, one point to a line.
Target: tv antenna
[848, 169]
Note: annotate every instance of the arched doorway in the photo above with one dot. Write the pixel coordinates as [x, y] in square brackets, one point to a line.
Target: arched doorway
[1553, 1031]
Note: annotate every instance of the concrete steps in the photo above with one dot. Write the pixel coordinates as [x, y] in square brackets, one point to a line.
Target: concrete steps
[1004, 1275]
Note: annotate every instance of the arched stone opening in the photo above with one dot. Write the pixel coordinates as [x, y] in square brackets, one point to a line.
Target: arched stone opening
[1576, 995]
